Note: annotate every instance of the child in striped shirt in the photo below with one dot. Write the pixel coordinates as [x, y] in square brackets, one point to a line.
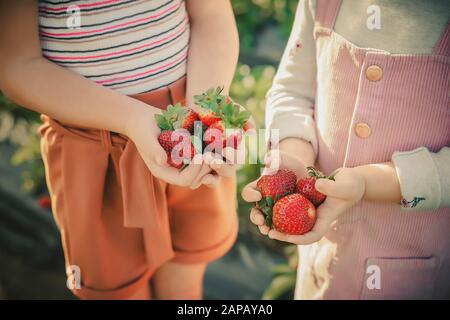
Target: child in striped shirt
[99, 71]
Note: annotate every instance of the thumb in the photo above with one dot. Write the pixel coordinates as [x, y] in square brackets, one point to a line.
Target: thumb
[333, 189]
[250, 193]
[158, 154]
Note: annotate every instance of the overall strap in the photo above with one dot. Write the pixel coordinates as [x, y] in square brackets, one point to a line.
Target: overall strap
[443, 46]
[326, 13]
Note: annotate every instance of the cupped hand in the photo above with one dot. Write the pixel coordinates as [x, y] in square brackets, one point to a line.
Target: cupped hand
[274, 160]
[144, 132]
[342, 194]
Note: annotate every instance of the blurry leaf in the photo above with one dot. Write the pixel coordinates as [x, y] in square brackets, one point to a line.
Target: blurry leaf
[281, 269]
[280, 285]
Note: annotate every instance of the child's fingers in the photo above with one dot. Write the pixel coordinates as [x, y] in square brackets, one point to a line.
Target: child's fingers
[256, 217]
[234, 156]
[226, 170]
[307, 238]
[204, 171]
[250, 193]
[216, 162]
[192, 171]
[211, 180]
[209, 157]
[264, 229]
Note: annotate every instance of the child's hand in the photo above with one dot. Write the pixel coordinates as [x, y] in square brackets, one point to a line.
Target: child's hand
[347, 189]
[225, 164]
[143, 131]
[282, 160]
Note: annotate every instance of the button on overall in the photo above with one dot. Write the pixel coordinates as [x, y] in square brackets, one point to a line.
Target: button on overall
[374, 73]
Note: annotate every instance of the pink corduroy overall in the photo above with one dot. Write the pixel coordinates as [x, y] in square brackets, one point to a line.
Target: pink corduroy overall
[369, 104]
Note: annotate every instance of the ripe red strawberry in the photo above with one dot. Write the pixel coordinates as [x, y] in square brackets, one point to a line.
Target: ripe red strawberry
[169, 142]
[247, 126]
[224, 137]
[209, 105]
[306, 186]
[207, 116]
[233, 140]
[277, 185]
[165, 140]
[294, 214]
[214, 106]
[188, 120]
[214, 135]
[177, 117]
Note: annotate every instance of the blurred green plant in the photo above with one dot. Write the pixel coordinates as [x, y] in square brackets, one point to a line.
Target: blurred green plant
[19, 127]
[253, 15]
[249, 88]
[282, 285]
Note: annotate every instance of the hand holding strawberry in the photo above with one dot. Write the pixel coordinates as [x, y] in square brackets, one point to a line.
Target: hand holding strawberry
[215, 126]
[294, 218]
[144, 133]
[341, 194]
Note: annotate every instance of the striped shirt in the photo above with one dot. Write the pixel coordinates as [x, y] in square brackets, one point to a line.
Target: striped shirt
[131, 46]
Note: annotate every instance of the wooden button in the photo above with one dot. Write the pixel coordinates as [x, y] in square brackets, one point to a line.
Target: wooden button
[363, 130]
[374, 73]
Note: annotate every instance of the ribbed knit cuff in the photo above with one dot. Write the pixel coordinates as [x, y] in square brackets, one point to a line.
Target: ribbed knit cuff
[419, 179]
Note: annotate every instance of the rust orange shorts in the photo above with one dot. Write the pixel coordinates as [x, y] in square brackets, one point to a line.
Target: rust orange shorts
[118, 223]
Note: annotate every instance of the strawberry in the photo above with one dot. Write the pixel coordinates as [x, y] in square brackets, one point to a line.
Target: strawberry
[272, 188]
[277, 185]
[209, 105]
[306, 186]
[177, 117]
[165, 140]
[214, 135]
[224, 138]
[207, 116]
[233, 140]
[188, 120]
[294, 214]
[169, 142]
[214, 106]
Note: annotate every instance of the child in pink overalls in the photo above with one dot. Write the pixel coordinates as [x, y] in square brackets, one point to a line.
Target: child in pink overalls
[372, 98]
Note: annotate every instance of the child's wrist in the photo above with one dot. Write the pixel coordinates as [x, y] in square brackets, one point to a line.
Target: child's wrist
[138, 114]
[299, 148]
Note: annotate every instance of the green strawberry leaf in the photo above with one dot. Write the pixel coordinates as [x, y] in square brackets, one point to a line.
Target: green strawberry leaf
[270, 202]
[261, 203]
[176, 124]
[163, 123]
[268, 221]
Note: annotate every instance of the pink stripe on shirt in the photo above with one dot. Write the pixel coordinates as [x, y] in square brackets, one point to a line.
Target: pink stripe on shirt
[149, 18]
[146, 72]
[151, 44]
[85, 5]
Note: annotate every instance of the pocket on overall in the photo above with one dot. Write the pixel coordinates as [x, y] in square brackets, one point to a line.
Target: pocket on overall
[399, 278]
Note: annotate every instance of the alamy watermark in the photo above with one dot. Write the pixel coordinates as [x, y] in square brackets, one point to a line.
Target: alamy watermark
[73, 277]
[373, 281]
[373, 22]
[74, 19]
